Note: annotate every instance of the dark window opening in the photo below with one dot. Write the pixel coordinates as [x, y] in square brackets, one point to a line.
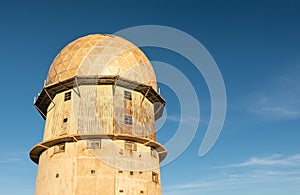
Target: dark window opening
[131, 172]
[68, 96]
[154, 177]
[65, 120]
[121, 190]
[127, 95]
[59, 148]
[93, 171]
[142, 192]
[57, 175]
[128, 120]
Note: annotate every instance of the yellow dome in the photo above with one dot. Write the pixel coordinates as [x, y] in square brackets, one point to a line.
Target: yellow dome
[102, 55]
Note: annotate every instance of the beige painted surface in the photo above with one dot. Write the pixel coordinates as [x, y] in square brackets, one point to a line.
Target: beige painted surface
[99, 110]
[74, 167]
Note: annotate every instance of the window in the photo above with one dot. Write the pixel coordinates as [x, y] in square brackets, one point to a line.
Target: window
[127, 95]
[153, 153]
[128, 120]
[94, 144]
[131, 172]
[68, 96]
[155, 177]
[93, 171]
[129, 146]
[57, 175]
[59, 148]
[65, 120]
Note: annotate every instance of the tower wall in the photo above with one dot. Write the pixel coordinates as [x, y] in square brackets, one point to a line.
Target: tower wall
[112, 168]
[106, 170]
[100, 109]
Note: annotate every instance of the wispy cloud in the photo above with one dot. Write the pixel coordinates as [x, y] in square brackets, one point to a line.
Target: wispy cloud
[14, 157]
[185, 119]
[234, 181]
[278, 98]
[273, 169]
[273, 160]
[5, 160]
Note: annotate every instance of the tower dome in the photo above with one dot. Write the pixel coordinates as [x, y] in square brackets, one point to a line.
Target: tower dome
[102, 55]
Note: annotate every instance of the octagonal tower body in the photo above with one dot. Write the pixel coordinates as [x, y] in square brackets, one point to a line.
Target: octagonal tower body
[100, 103]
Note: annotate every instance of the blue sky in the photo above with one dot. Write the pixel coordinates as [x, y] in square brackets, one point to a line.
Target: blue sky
[255, 44]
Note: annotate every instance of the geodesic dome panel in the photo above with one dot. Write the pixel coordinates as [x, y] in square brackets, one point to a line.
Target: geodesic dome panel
[102, 55]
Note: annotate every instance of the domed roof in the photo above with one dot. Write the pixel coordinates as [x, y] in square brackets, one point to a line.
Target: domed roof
[102, 55]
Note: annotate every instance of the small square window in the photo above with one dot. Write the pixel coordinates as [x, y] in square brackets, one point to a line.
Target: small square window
[94, 144]
[128, 120]
[59, 148]
[57, 175]
[131, 172]
[155, 177]
[62, 147]
[93, 171]
[130, 146]
[68, 96]
[127, 95]
[65, 120]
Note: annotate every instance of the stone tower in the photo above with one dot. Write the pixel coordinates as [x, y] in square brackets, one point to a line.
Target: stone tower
[100, 104]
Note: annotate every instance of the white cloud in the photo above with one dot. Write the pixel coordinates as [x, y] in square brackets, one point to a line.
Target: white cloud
[9, 160]
[273, 160]
[186, 119]
[278, 98]
[14, 157]
[274, 169]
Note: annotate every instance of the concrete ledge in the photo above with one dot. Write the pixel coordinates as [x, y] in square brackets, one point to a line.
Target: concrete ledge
[38, 149]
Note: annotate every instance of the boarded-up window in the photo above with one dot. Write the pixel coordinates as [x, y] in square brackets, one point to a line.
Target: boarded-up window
[68, 96]
[155, 177]
[130, 146]
[94, 144]
[128, 120]
[127, 95]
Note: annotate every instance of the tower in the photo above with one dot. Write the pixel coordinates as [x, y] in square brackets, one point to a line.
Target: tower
[100, 104]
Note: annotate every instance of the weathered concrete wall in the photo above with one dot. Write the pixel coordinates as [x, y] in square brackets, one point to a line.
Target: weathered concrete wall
[116, 170]
[110, 169]
[100, 109]
[141, 110]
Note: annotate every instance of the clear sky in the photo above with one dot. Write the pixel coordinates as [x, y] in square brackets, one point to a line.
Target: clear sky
[256, 45]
